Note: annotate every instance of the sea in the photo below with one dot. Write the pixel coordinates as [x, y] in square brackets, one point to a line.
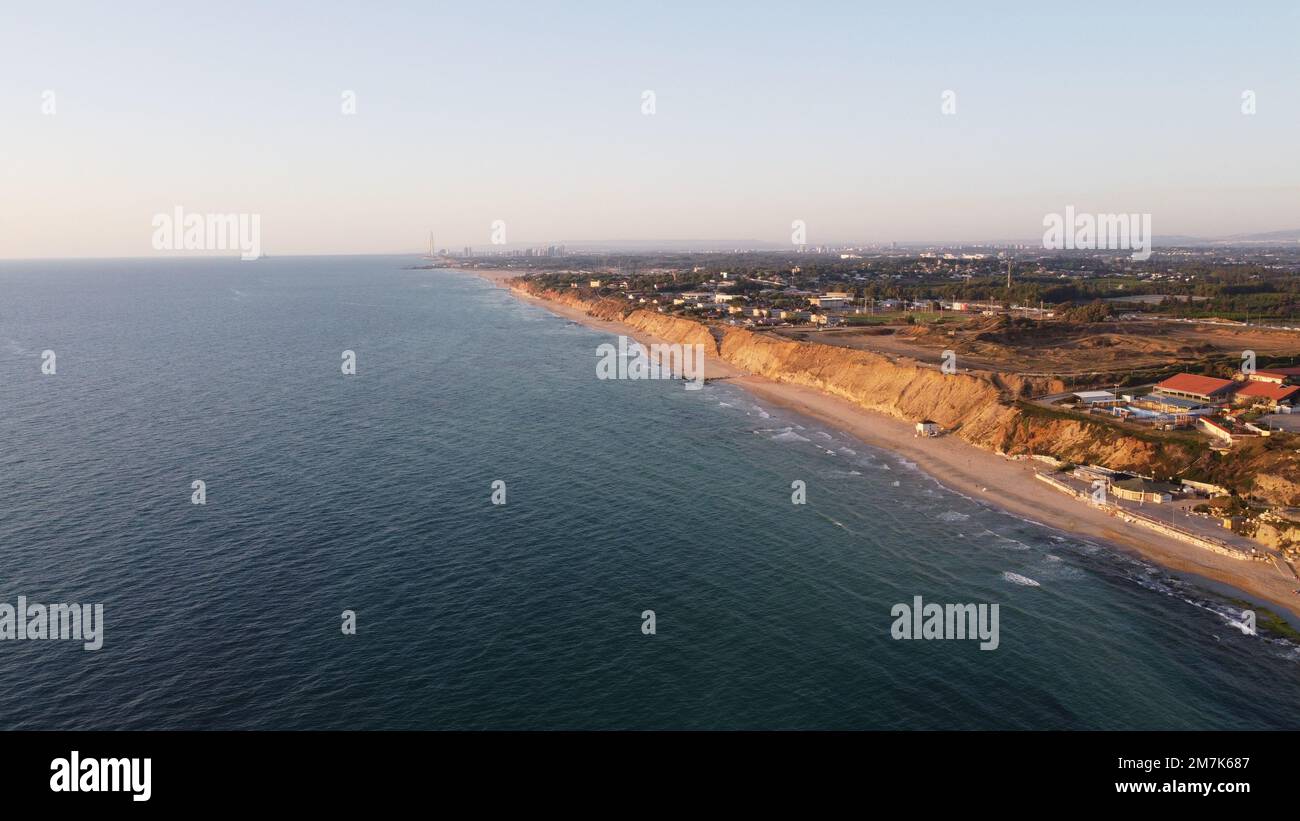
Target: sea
[504, 529]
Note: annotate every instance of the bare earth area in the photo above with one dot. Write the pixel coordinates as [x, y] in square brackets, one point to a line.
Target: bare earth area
[1062, 348]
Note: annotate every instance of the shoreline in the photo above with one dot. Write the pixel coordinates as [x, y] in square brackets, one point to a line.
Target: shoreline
[1004, 484]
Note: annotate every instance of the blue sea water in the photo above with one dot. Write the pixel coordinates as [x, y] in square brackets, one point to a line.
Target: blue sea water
[372, 493]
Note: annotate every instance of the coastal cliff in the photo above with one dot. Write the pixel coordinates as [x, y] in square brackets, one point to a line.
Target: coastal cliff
[983, 408]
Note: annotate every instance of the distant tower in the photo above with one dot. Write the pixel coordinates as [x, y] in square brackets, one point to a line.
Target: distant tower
[1008, 275]
[431, 246]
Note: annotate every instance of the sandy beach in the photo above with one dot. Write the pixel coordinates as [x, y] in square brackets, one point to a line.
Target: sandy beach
[1003, 483]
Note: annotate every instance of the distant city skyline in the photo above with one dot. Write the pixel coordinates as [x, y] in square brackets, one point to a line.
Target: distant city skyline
[349, 131]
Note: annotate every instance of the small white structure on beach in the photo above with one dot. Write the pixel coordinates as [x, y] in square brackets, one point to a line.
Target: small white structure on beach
[927, 427]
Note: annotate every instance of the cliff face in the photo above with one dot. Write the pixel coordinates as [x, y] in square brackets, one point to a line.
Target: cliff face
[1280, 485]
[977, 407]
[967, 404]
[974, 406]
[1085, 442]
[668, 328]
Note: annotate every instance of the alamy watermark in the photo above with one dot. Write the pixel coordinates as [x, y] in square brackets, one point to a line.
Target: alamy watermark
[78, 622]
[946, 621]
[631, 360]
[77, 774]
[179, 231]
[1093, 232]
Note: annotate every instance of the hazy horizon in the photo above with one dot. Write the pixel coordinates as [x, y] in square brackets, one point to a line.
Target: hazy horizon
[762, 116]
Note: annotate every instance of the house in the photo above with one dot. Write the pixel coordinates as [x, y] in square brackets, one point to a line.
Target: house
[927, 427]
[1206, 389]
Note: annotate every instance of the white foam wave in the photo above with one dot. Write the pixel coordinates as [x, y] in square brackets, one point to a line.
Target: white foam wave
[1016, 578]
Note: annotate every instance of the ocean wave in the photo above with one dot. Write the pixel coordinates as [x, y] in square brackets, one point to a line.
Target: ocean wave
[838, 524]
[1012, 544]
[952, 516]
[1016, 578]
[788, 435]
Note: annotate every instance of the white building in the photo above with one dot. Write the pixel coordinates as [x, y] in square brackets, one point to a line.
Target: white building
[1097, 398]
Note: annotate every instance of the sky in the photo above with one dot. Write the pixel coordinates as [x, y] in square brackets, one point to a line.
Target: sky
[532, 114]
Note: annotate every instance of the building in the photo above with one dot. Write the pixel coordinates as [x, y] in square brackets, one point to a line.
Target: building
[834, 299]
[1207, 389]
[1171, 405]
[1205, 488]
[927, 427]
[1267, 393]
[1278, 376]
[1102, 399]
[1215, 429]
[1137, 489]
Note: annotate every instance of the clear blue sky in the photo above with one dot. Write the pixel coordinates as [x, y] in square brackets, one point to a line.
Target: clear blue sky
[531, 113]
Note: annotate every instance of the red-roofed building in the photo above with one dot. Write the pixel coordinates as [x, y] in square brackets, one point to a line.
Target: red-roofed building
[1267, 393]
[1200, 388]
[1278, 376]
